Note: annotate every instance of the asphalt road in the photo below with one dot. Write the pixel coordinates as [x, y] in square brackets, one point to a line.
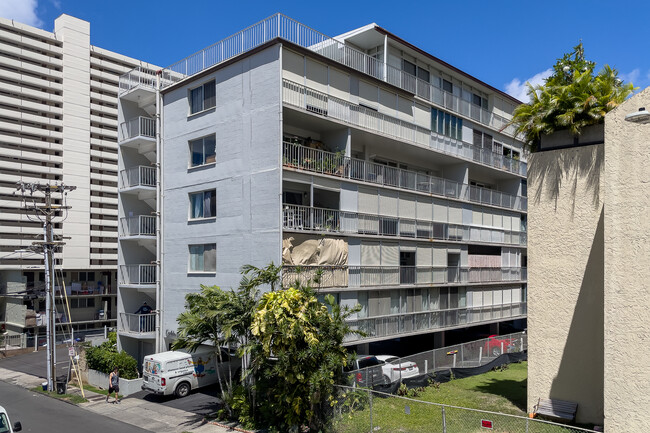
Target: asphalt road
[203, 401]
[39, 413]
[35, 363]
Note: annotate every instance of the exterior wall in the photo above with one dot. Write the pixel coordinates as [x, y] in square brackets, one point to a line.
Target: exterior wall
[246, 176]
[565, 279]
[627, 269]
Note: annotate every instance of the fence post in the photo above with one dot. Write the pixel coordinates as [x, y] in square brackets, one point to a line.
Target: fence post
[444, 420]
[426, 366]
[455, 360]
[480, 355]
[370, 397]
[502, 348]
[105, 331]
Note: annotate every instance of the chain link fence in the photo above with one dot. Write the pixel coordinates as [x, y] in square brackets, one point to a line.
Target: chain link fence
[360, 410]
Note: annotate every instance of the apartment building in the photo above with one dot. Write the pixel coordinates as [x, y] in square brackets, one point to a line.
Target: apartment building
[588, 321]
[361, 157]
[58, 123]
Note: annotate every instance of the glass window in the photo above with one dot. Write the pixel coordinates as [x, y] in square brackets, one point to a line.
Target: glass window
[453, 297]
[394, 302]
[434, 299]
[462, 297]
[446, 124]
[444, 298]
[203, 258]
[447, 86]
[203, 97]
[362, 299]
[203, 150]
[423, 74]
[408, 67]
[203, 204]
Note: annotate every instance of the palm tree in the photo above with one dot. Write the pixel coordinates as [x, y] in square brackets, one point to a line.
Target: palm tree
[570, 99]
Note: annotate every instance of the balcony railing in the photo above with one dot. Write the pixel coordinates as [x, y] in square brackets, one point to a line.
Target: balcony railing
[283, 27]
[325, 105]
[137, 323]
[377, 327]
[137, 77]
[141, 225]
[138, 176]
[368, 276]
[138, 127]
[304, 218]
[334, 164]
[137, 274]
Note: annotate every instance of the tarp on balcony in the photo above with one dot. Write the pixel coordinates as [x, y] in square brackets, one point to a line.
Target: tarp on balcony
[303, 250]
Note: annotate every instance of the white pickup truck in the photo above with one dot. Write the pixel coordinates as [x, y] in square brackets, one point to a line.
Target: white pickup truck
[5, 424]
[177, 372]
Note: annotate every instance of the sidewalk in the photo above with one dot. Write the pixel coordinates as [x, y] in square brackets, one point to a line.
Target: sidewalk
[134, 411]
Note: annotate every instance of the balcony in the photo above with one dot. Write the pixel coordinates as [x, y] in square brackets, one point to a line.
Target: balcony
[418, 322]
[140, 134]
[333, 164]
[371, 276]
[304, 218]
[310, 100]
[137, 275]
[141, 226]
[141, 324]
[139, 177]
[137, 83]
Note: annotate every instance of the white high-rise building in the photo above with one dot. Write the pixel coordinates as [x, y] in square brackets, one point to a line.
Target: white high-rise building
[361, 156]
[58, 123]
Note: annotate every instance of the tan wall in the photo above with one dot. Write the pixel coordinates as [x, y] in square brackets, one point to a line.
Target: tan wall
[627, 269]
[565, 279]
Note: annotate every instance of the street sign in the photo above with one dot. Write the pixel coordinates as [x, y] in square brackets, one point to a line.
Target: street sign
[71, 351]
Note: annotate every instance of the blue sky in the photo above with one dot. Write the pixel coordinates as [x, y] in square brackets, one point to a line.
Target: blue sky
[504, 43]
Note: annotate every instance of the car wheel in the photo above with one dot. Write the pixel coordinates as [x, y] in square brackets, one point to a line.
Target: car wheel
[496, 351]
[387, 380]
[182, 390]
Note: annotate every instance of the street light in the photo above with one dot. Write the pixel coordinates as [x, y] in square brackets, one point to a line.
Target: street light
[641, 116]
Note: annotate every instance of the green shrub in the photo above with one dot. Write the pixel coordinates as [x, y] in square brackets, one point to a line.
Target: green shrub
[105, 358]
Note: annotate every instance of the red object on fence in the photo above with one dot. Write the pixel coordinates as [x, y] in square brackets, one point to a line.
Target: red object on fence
[486, 424]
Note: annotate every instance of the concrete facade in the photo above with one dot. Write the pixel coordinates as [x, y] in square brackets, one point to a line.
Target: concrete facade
[588, 241]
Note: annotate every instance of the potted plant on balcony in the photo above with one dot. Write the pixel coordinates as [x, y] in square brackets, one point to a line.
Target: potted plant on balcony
[571, 99]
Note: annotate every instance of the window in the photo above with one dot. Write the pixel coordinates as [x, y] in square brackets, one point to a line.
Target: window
[408, 67]
[203, 204]
[203, 97]
[479, 101]
[446, 124]
[483, 140]
[203, 150]
[447, 86]
[203, 258]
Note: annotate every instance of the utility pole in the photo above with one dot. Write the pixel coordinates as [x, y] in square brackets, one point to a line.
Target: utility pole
[46, 213]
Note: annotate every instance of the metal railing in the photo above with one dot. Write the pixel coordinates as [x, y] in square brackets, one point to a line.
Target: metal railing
[12, 341]
[305, 218]
[141, 225]
[137, 77]
[138, 127]
[137, 323]
[422, 321]
[137, 274]
[138, 176]
[370, 276]
[311, 100]
[283, 27]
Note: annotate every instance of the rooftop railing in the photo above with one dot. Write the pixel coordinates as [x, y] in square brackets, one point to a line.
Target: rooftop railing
[305, 218]
[335, 164]
[283, 27]
[311, 100]
[137, 77]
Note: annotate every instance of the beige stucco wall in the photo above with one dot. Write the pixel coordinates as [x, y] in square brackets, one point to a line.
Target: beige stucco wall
[565, 279]
[627, 269]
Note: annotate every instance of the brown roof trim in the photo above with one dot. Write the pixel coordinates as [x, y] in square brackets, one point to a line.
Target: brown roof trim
[442, 62]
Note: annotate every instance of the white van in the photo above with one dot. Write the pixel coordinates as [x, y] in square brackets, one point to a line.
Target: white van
[5, 424]
[179, 372]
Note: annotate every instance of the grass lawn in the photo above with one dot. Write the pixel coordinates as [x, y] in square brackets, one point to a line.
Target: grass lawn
[496, 391]
[73, 398]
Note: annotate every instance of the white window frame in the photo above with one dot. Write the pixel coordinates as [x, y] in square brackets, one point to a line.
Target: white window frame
[202, 139]
[203, 107]
[189, 215]
[189, 259]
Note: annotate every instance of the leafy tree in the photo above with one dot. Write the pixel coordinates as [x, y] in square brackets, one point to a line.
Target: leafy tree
[572, 98]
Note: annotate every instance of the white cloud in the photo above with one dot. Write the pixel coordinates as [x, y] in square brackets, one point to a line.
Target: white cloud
[519, 90]
[23, 11]
[631, 77]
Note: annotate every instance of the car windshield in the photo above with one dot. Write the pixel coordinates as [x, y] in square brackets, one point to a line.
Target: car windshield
[369, 362]
[4, 423]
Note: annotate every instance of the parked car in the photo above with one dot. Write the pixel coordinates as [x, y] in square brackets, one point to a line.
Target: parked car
[367, 371]
[394, 370]
[493, 345]
[5, 424]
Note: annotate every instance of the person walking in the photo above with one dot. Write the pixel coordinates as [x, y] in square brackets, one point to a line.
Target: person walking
[114, 385]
